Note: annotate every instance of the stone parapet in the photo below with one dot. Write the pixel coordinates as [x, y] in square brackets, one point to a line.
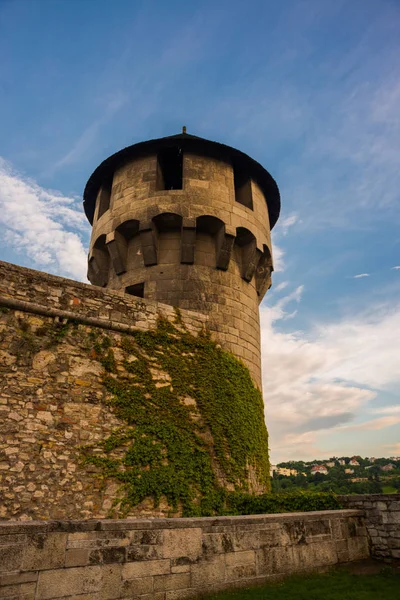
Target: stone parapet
[382, 519]
[169, 559]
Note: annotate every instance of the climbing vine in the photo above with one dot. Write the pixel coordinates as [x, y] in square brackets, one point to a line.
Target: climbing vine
[193, 420]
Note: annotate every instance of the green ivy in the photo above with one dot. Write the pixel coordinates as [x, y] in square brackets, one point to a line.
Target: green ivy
[207, 417]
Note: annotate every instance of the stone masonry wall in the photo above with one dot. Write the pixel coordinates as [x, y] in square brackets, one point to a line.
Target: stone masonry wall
[382, 512]
[52, 399]
[169, 559]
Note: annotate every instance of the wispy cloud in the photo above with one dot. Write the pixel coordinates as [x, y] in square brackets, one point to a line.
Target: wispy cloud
[281, 286]
[386, 410]
[286, 222]
[89, 135]
[373, 424]
[44, 225]
[396, 268]
[361, 275]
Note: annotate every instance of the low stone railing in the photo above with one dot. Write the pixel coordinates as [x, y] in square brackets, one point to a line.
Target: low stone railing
[168, 559]
[382, 518]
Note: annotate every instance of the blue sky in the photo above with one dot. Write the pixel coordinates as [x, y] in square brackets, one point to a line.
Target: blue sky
[310, 89]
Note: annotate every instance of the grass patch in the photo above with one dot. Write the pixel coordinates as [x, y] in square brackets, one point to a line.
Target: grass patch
[388, 489]
[336, 585]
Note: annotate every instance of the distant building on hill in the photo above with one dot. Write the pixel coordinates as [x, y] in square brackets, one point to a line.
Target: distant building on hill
[388, 467]
[354, 462]
[282, 471]
[319, 469]
[342, 462]
[349, 471]
[330, 463]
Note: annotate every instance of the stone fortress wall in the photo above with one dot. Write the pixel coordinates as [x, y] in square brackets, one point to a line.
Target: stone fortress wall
[170, 559]
[382, 513]
[204, 247]
[52, 400]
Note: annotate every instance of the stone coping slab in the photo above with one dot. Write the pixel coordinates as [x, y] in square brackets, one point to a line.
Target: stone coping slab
[72, 526]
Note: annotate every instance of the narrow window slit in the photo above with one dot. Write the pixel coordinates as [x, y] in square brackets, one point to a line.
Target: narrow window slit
[104, 197]
[243, 193]
[170, 169]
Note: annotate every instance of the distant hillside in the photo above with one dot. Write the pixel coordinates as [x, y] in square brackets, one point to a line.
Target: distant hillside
[343, 475]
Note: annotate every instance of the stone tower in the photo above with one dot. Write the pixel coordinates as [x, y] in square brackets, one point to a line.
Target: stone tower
[186, 221]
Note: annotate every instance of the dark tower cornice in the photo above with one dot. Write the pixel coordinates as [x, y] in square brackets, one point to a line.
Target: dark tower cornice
[188, 143]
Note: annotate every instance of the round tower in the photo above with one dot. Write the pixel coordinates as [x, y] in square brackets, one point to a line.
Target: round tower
[186, 221]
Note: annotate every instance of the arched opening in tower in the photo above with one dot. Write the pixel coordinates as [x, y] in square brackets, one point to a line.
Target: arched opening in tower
[99, 263]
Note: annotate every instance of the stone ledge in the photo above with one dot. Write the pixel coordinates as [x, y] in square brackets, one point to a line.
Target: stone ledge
[33, 527]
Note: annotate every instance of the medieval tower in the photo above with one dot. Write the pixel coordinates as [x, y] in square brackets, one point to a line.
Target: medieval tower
[186, 222]
[115, 403]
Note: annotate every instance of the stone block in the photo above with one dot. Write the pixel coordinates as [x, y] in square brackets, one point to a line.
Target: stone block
[271, 561]
[183, 543]
[241, 572]
[179, 594]
[273, 536]
[10, 592]
[146, 568]
[114, 554]
[212, 571]
[217, 543]
[111, 582]
[246, 540]
[137, 587]
[146, 537]
[11, 557]
[342, 550]
[18, 578]
[57, 583]
[240, 558]
[176, 581]
[310, 556]
[320, 528]
[144, 552]
[27, 591]
[358, 548]
[76, 557]
[45, 551]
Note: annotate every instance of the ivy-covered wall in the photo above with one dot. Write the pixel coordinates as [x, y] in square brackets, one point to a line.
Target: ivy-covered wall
[142, 416]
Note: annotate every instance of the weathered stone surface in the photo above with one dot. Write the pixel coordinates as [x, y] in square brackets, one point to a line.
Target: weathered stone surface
[182, 543]
[44, 551]
[171, 558]
[383, 525]
[145, 569]
[78, 580]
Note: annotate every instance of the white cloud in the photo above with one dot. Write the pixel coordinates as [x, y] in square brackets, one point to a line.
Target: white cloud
[281, 286]
[286, 222]
[40, 224]
[396, 268]
[322, 380]
[278, 254]
[386, 410]
[361, 275]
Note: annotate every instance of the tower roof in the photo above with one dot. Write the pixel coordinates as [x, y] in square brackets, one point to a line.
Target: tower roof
[189, 143]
